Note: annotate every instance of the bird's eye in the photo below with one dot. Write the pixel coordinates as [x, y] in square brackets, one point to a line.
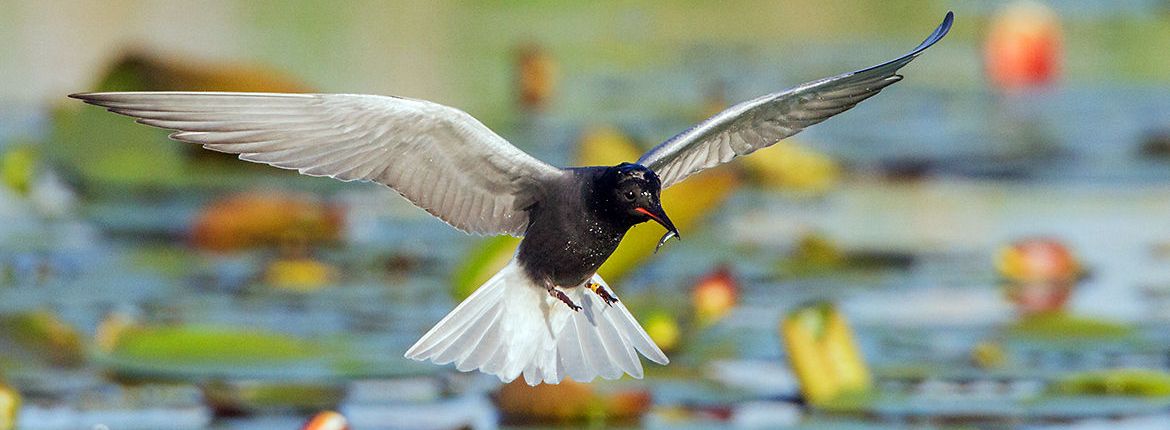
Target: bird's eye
[630, 195]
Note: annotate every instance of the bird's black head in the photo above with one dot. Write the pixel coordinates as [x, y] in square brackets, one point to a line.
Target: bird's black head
[633, 194]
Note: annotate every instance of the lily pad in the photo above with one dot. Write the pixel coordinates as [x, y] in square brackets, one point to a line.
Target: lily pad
[1059, 326]
[203, 353]
[207, 345]
[42, 336]
[1116, 382]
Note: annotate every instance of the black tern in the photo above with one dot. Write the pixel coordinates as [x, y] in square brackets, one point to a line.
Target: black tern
[547, 314]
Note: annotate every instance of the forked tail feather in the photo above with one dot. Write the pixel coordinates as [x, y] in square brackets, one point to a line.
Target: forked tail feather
[512, 326]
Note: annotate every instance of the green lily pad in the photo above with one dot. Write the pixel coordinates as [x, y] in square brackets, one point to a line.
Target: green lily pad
[1059, 326]
[1116, 382]
[198, 353]
[41, 335]
[196, 345]
[265, 396]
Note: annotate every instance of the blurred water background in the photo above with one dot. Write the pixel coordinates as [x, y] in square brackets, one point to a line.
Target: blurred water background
[146, 284]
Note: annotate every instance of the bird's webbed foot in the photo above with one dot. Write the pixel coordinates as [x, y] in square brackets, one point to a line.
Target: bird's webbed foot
[602, 292]
[560, 295]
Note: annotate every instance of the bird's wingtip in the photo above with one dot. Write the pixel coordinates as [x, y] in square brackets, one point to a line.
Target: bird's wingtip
[948, 20]
[93, 98]
[939, 32]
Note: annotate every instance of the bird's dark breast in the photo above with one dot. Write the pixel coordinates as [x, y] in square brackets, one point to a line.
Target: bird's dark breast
[566, 241]
[566, 257]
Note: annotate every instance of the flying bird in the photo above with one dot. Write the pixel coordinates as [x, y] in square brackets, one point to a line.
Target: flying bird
[547, 315]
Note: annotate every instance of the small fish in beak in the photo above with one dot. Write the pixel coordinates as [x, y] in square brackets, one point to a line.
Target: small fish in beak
[666, 237]
[659, 216]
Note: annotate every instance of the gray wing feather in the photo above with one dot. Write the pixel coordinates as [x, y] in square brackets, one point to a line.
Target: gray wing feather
[438, 157]
[760, 123]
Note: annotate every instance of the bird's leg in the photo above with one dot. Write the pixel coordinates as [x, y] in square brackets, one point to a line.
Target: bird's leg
[602, 292]
[560, 295]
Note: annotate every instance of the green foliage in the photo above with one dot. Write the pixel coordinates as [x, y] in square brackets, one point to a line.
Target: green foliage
[111, 149]
[169, 260]
[18, 166]
[1058, 326]
[271, 396]
[813, 317]
[9, 407]
[1116, 382]
[199, 345]
[483, 261]
[851, 402]
[813, 255]
[45, 336]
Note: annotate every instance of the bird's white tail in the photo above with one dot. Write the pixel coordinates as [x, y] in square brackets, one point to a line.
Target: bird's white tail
[510, 325]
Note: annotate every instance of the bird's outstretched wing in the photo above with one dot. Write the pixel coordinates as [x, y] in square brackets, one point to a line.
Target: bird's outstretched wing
[759, 123]
[438, 157]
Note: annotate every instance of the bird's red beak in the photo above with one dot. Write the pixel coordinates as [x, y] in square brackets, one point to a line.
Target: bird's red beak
[659, 216]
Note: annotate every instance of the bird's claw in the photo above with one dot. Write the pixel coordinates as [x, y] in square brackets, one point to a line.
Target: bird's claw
[560, 295]
[605, 295]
